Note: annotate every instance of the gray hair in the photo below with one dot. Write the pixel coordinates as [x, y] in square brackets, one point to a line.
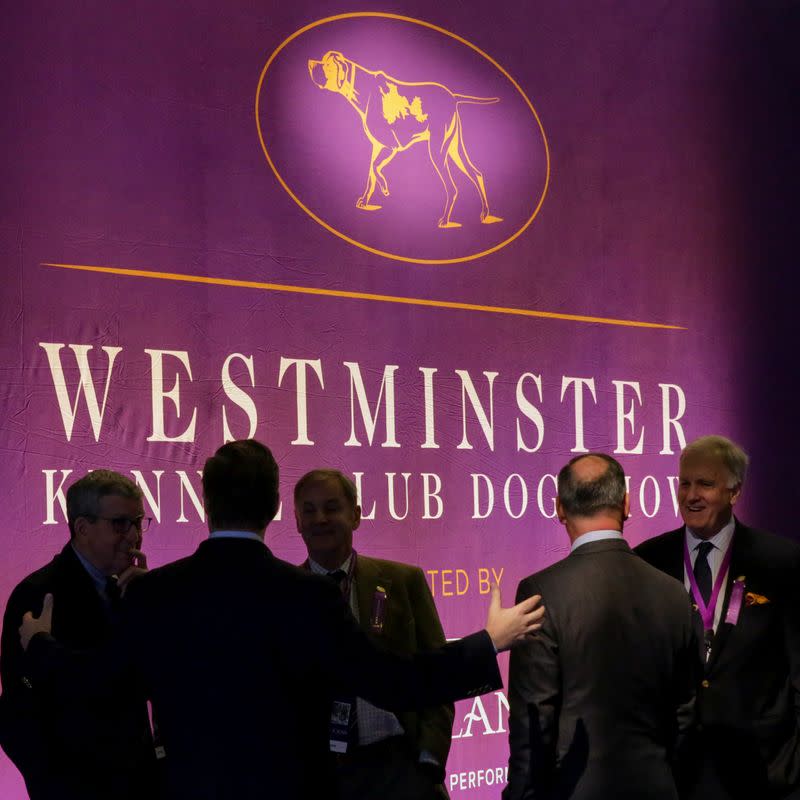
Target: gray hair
[84, 496]
[587, 498]
[318, 475]
[718, 448]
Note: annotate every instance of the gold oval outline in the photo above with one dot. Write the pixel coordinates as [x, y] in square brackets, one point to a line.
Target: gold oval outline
[394, 256]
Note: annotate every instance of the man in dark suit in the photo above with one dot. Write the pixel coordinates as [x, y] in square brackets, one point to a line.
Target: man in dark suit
[394, 757]
[65, 746]
[601, 696]
[746, 593]
[242, 654]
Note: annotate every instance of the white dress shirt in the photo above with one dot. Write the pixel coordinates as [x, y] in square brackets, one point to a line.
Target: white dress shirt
[594, 536]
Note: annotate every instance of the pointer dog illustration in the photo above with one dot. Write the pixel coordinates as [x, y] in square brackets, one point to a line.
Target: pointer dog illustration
[396, 115]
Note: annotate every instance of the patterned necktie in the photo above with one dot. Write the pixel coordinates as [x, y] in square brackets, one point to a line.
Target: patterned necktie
[702, 570]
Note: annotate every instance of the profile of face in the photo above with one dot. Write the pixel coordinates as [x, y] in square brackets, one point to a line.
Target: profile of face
[705, 498]
[326, 520]
[101, 539]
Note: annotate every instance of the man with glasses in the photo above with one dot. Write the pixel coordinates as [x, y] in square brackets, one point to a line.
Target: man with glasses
[242, 654]
[69, 746]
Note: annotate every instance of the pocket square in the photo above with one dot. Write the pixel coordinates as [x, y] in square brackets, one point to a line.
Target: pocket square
[753, 599]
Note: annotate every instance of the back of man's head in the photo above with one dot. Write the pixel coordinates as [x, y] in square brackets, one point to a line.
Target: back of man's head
[590, 485]
[240, 486]
[84, 496]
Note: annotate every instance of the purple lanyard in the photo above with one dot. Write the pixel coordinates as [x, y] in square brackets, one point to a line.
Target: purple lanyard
[706, 611]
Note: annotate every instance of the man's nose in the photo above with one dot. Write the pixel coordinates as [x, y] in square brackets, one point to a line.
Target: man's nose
[320, 515]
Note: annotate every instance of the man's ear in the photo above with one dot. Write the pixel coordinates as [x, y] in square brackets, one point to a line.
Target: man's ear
[736, 493]
[562, 517]
[79, 526]
[626, 507]
[356, 517]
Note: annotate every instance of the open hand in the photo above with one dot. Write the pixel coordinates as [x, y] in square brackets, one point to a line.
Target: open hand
[506, 626]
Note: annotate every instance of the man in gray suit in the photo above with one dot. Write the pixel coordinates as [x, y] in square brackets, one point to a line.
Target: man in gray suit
[600, 698]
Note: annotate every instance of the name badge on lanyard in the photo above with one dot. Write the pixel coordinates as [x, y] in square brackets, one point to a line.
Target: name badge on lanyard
[343, 725]
[707, 612]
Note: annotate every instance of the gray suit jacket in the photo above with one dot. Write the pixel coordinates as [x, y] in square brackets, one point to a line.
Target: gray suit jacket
[599, 698]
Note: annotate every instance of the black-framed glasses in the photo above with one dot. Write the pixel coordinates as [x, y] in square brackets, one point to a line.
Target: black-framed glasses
[122, 525]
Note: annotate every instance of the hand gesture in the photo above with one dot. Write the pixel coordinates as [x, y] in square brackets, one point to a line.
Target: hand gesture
[506, 626]
[137, 568]
[32, 625]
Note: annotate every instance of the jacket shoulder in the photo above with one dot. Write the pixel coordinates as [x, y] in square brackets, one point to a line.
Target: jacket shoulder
[543, 577]
[40, 581]
[778, 547]
[396, 569]
[659, 545]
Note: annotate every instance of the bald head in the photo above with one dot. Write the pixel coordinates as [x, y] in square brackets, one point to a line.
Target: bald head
[589, 468]
[591, 494]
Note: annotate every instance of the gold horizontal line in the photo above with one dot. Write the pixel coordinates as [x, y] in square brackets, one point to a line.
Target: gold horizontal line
[380, 298]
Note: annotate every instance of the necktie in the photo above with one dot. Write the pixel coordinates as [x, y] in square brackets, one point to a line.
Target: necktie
[702, 570]
[113, 593]
[339, 577]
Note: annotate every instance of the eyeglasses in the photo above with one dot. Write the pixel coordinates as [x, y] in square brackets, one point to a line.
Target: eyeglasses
[122, 525]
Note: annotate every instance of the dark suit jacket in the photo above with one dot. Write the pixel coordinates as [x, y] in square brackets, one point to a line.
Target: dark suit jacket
[242, 653]
[67, 745]
[749, 697]
[411, 624]
[599, 697]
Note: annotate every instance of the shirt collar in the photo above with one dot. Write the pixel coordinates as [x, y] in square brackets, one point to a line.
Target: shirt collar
[720, 540]
[594, 536]
[235, 535]
[99, 578]
[318, 569]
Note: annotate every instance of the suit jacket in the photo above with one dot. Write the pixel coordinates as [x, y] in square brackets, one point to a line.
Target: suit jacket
[599, 698]
[411, 624]
[242, 654]
[749, 696]
[67, 745]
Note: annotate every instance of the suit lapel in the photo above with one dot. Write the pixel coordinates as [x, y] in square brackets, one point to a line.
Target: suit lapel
[80, 603]
[367, 577]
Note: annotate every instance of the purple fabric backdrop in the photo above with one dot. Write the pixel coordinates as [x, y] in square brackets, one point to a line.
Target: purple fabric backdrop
[618, 157]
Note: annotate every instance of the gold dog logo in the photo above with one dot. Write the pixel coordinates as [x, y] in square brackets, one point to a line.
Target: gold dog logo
[444, 164]
[396, 115]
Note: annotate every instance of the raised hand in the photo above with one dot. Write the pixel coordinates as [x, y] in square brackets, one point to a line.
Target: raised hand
[137, 568]
[32, 625]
